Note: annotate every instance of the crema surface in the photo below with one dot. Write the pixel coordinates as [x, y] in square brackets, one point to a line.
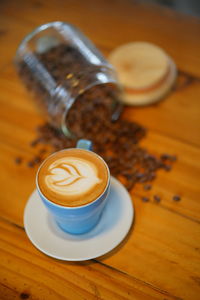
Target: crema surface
[73, 177]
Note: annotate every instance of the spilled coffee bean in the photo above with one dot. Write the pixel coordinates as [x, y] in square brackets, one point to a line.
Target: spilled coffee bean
[145, 199]
[18, 160]
[147, 187]
[176, 198]
[157, 198]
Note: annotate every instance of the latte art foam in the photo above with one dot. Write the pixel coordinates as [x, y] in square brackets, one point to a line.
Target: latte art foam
[73, 177]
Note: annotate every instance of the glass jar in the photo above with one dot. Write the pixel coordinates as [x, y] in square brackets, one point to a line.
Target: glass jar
[58, 64]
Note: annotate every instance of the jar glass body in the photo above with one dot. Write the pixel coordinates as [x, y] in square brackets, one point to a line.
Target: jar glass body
[58, 63]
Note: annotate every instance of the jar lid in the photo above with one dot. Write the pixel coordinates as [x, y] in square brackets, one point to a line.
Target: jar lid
[145, 71]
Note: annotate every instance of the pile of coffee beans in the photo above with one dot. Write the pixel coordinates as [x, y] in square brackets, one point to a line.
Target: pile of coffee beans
[117, 142]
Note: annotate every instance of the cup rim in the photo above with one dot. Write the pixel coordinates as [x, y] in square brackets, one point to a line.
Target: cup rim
[79, 206]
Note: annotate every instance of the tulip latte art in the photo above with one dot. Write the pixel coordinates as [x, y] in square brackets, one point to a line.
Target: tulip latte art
[73, 177]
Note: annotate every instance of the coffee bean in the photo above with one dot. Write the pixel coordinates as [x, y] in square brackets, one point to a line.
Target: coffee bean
[157, 198]
[42, 151]
[167, 168]
[18, 160]
[145, 199]
[129, 185]
[34, 143]
[139, 175]
[166, 156]
[147, 187]
[176, 198]
[37, 160]
[173, 158]
[24, 295]
[30, 164]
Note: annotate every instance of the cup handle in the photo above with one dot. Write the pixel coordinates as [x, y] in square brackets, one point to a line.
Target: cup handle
[84, 144]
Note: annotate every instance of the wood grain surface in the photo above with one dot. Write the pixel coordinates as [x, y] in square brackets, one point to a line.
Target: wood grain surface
[159, 259]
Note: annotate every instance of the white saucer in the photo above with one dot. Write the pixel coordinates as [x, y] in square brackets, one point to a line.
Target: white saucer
[113, 226]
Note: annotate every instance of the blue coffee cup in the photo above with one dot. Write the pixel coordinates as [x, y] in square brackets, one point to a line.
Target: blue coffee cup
[78, 219]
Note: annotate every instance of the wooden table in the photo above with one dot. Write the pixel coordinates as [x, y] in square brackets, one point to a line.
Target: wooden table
[160, 257]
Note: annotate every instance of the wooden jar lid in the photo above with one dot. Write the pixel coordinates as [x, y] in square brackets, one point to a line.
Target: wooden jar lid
[145, 71]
